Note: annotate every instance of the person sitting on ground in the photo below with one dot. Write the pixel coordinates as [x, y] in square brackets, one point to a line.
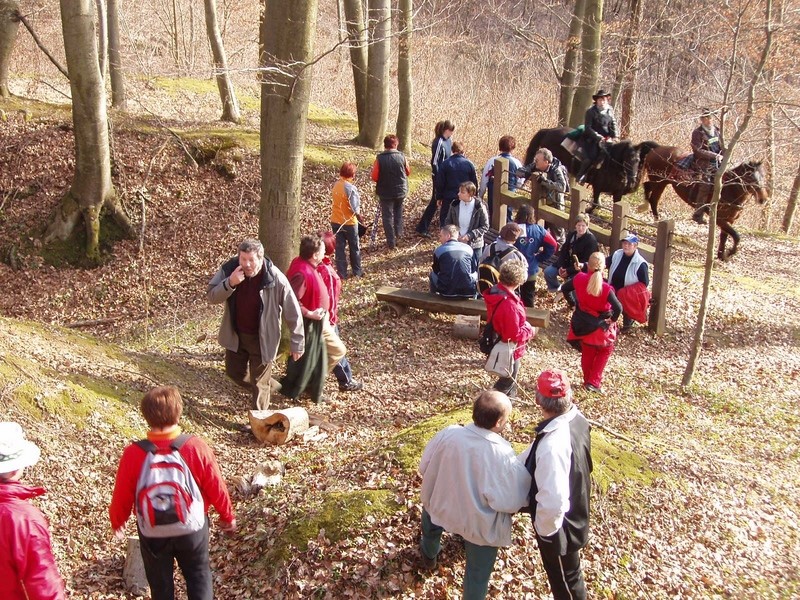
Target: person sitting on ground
[552, 179]
[600, 128]
[441, 150]
[537, 245]
[162, 408]
[324, 349]
[508, 317]
[342, 371]
[453, 275]
[506, 145]
[27, 567]
[471, 218]
[390, 173]
[560, 461]
[452, 173]
[628, 274]
[572, 257]
[472, 484]
[593, 327]
[708, 154]
[344, 221]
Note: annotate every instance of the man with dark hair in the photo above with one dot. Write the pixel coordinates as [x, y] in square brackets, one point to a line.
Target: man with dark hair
[162, 408]
[256, 296]
[560, 461]
[324, 348]
[454, 171]
[472, 483]
[390, 173]
[452, 275]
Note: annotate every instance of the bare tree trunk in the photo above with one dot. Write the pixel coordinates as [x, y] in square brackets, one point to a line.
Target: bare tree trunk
[380, 29]
[791, 205]
[102, 37]
[289, 30]
[570, 71]
[9, 25]
[357, 42]
[590, 60]
[118, 98]
[404, 79]
[230, 106]
[91, 187]
[766, 209]
[699, 331]
[625, 86]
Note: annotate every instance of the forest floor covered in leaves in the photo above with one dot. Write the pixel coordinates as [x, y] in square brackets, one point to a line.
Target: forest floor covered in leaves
[697, 497]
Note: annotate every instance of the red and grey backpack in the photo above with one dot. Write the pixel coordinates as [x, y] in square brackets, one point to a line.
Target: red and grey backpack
[168, 500]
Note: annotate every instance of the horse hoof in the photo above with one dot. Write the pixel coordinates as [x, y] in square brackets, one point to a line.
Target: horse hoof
[699, 219]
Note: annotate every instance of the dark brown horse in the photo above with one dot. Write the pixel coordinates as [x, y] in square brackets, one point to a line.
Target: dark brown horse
[738, 184]
[618, 175]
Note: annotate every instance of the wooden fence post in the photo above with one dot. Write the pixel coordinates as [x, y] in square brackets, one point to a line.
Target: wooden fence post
[499, 207]
[661, 264]
[575, 206]
[619, 223]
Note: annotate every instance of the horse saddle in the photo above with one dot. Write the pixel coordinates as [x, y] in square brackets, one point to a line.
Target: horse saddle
[682, 169]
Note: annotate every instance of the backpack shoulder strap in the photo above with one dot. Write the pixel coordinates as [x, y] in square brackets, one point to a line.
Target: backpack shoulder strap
[179, 441]
[147, 446]
[507, 251]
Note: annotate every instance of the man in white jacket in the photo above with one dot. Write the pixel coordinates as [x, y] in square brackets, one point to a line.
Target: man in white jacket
[472, 483]
[560, 460]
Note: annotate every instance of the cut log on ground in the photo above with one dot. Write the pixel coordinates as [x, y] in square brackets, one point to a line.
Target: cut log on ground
[133, 571]
[399, 297]
[278, 426]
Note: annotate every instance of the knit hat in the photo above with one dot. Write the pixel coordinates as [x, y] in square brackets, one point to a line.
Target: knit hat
[553, 383]
[15, 451]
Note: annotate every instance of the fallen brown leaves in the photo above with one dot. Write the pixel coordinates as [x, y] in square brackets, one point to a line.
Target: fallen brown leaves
[719, 520]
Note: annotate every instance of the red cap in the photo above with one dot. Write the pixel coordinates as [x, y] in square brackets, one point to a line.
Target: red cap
[553, 383]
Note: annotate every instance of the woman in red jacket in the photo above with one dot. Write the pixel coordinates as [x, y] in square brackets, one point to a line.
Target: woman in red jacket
[507, 314]
[27, 568]
[593, 328]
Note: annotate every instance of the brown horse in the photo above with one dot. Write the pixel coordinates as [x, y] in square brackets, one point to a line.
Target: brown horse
[738, 184]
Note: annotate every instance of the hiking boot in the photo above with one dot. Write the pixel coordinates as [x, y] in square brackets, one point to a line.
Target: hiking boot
[592, 388]
[351, 386]
[428, 564]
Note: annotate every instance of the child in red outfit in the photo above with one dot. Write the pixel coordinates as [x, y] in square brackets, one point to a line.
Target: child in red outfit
[162, 408]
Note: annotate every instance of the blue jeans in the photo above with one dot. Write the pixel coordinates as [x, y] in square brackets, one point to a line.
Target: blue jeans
[347, 235]
[191, 552]
[480, 559]
[551, 277]
[392, 219]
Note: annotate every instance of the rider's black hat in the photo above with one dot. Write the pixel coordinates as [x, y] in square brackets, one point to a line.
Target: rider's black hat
[601, 93]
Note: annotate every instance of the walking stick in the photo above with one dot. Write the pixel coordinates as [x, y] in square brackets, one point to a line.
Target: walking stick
[374, 233]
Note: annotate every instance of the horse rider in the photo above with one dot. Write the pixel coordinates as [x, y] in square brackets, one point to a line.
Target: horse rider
[707, 152]
[599, 129]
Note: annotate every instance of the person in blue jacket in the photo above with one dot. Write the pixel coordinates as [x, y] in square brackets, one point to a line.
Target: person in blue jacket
[452, 275]
[454, 171]
[441, 150]
[536, 244]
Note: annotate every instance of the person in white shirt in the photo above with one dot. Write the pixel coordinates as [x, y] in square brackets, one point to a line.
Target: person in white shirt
[472, 483]
[472, 219]
[561, 464]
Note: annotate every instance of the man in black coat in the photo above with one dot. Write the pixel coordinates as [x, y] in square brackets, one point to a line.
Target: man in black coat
[599, 128]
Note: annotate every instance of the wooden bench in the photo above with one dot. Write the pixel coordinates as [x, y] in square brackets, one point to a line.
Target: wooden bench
[399, 299]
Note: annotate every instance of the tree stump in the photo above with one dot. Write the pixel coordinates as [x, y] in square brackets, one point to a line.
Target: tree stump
[278, 426]
[133, 571]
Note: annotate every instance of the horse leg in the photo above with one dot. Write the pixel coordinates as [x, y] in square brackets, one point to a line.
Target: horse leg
[652, 194]
[725, 230]
[595, 201]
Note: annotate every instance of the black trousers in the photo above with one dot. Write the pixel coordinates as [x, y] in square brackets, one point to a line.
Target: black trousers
[191, 552]
[563, 572]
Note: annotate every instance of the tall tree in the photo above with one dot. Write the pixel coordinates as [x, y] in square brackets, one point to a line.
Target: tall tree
[625, 84]
[357, 43]
[570, 69]
[118, 98]
[791, 205]
[91, 190]
[288, 47]
[379, 26]
[9, 25]
[755, 76]
[230, 106]
[404, 79]
[591, 39]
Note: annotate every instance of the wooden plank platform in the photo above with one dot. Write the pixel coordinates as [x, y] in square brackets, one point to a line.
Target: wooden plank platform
[399, 298]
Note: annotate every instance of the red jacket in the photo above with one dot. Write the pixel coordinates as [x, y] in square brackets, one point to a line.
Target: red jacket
[201, 462]
[507, 314]
[27, 567]
[333, 283]
[308, 285]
